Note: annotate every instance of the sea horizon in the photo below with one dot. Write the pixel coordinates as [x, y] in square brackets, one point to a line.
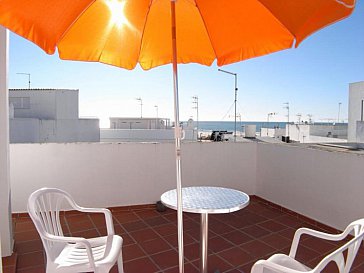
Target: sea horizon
[230, 125]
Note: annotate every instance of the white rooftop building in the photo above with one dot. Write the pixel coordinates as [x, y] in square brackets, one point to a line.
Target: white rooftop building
[139, 123]
[318, 133]
[356, 112]
[124, 129]
[48, 115]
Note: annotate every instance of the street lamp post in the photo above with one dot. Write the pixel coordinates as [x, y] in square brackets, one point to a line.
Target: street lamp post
[299, 115]
[338, 114]
[287, 107]
[156, 122]
[141, 106]
[236, 94]
[195, 103]
[269, 115]
[28, 74]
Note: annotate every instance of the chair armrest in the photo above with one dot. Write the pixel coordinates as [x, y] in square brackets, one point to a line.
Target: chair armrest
[106, 212]
[76, 240]
[259, 266]
[337, 256]
[314, 233]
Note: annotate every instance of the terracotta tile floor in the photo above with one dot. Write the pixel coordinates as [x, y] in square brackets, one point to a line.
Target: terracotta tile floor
[236, 240]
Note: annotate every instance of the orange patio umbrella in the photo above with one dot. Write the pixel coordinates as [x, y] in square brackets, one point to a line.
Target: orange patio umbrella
[156, 32]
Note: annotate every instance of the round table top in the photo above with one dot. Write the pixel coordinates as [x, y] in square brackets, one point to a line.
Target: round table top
[207, 199]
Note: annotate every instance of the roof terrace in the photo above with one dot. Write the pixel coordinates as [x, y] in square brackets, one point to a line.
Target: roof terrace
[290, 186]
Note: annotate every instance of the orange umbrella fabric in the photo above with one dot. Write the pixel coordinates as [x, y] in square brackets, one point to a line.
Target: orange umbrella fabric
[126, 32]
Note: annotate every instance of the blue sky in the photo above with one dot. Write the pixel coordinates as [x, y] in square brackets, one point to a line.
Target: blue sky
[314, 79]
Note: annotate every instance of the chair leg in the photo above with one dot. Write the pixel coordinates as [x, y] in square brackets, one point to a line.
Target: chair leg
[120, 263]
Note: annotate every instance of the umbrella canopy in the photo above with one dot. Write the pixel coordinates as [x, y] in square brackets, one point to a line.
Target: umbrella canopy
[126, 32]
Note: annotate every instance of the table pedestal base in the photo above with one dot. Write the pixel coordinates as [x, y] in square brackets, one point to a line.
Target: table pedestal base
[204, 242]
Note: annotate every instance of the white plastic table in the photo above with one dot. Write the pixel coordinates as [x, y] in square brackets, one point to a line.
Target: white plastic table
[206, 200]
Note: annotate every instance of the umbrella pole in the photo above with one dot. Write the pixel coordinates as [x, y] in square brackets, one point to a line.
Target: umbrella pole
[177, 135]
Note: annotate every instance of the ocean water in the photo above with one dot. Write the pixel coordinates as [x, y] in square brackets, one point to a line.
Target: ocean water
[229, 125]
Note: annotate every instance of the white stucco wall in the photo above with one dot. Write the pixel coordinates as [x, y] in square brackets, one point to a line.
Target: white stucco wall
[360, 131]
[356, 95]
[47, 103]
[112, 174]
[298, 132]
[77, 130]
[32, 130]
[144, 135]
[41, 104]
[24, 130]
[66, 104]
[324, 185]
[6, 236]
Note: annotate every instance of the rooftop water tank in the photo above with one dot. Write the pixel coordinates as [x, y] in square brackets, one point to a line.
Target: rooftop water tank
[250, 131]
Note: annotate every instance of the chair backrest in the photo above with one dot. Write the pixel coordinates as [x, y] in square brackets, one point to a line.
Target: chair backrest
[356, 229]
[44, 207]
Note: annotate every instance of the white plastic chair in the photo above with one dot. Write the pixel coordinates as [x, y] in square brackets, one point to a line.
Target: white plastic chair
[72, 254]
[281, 263]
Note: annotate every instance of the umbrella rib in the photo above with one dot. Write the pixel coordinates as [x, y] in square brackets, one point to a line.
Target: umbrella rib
[208, 34]
[281, 23]
[74, 21]
[102, 50]
[346, 5]
[145, 23]
[324, 26]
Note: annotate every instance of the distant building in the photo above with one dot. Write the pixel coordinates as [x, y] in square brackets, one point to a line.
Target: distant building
[139, 123]
[144, 130]
[356, 112]
[318, 133]
[48, 115]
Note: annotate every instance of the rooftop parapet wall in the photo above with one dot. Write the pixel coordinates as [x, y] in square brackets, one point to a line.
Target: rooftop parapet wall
[324, 185]
[119, 174]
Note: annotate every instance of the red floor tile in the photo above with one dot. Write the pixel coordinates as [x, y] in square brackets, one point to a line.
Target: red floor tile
[192, 251]
[188, 268]
[217, 244]
[319, 245]
[143, 235]
[255, 231]
[24, 226]
[80, 226]
[165, 259]
[29, 246]
[10, 261]
[236, 256]
[91, 233]
[144, 265]
[125, 217]
[237, 237]
[236, 240]
[167, 229]
[276, 241]
[214, 264]
[272, 226]
[38, 269]
[134, 226]
[173, 239]
[147, 213]
[132, 252]
[32, 259]
[155, 245]
[24, 236]
[257, 249]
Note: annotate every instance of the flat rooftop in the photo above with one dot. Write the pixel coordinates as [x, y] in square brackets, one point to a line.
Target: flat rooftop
[236, 240]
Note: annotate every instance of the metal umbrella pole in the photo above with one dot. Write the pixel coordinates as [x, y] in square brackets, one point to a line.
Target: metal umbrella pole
[177, 135]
